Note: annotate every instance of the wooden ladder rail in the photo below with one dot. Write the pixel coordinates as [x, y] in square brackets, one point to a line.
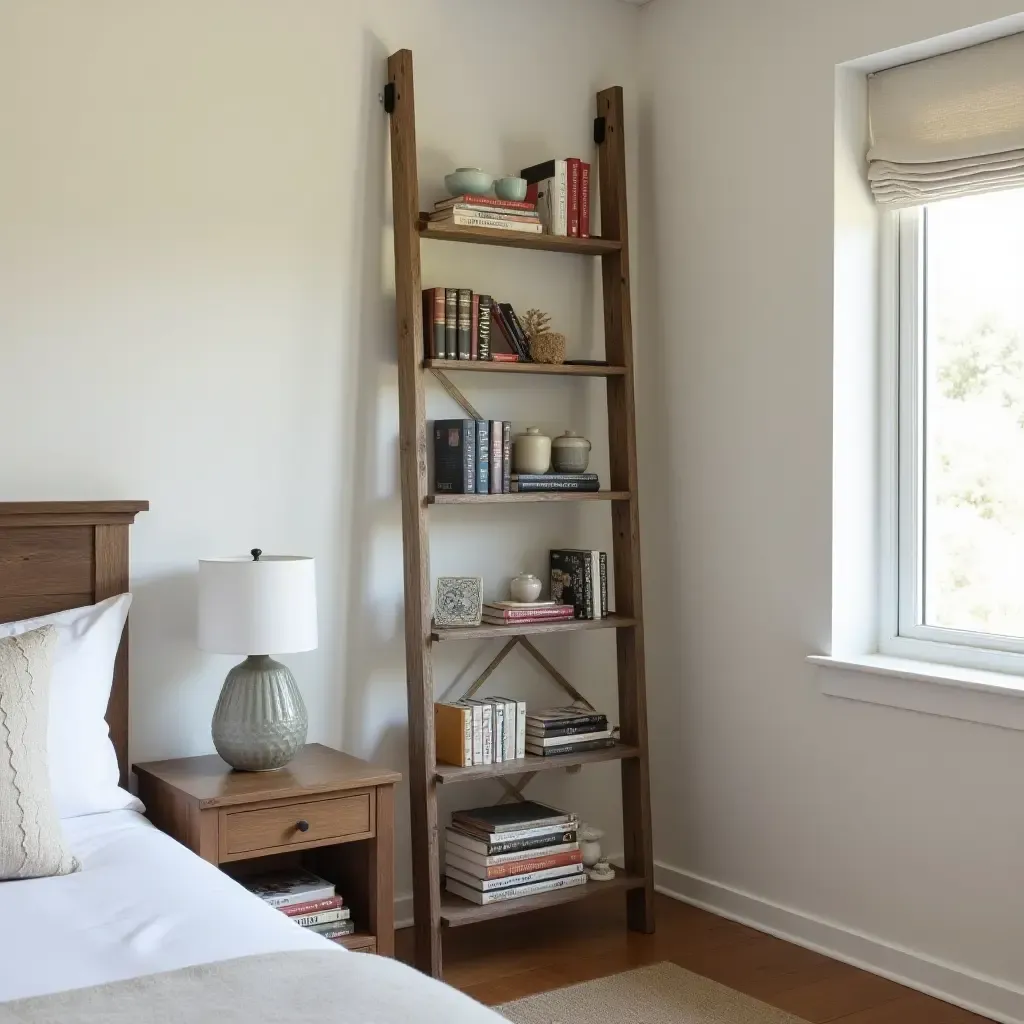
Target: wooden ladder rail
[618, 339]
[415, 541]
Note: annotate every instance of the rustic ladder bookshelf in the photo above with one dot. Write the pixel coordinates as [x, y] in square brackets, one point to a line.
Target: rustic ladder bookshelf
[434, 909]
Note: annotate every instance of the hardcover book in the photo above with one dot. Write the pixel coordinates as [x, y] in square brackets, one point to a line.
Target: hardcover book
[522, 486]
[584, 200]
[538, 731]
[324, 917]
[453, 734]
[568, 748]
[516, 857]
[334, 930]
[483, 456]
[464, 323]
[512, 817]
[518, 741]
[451, 323]
[455, 456]
[570, 714]
[483, 347]
[497, 457]
[512, 881]
[569, 569]
[467, 892]
[486, 847]
[287, 887]
[474, 327]
[506, 456]
[604, 584]
[467, 219]
[511, 868]
[312, 906]
[492, 202]
[547, 186]
[433, 323]
[548, 739]
[573, 173]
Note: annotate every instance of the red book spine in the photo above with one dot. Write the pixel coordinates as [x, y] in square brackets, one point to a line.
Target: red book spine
[504, 357]
[572, 168]
[512, 204]
[584, 200]
[522, 867]
[313, 906]
[562, 611]
[474, 328]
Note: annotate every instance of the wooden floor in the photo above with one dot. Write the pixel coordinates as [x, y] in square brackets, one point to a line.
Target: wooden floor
[499, 961]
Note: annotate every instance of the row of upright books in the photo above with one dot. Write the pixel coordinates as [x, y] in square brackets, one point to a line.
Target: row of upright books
[560, 189]
[509, 851]
[475, 457]
[459, 323]
[579, 578]
[497, 729]
[489, 731]
[309, 900]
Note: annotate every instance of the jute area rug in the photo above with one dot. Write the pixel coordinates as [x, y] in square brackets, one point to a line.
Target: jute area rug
[658, 994]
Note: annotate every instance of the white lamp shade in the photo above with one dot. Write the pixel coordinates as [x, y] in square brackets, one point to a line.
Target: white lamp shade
[257, 607]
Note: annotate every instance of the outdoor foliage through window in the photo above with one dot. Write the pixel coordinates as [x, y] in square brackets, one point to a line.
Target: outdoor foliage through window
[973, 492]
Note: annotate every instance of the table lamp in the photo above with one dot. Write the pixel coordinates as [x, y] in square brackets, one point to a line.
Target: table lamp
[258, 606]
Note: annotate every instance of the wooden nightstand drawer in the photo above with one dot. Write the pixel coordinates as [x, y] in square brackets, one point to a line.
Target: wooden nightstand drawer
[281, 825]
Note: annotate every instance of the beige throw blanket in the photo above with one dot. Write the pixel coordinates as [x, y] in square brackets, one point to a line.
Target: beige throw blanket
[300, 987]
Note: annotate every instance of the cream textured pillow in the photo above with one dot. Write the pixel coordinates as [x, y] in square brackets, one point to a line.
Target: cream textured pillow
[31, 842]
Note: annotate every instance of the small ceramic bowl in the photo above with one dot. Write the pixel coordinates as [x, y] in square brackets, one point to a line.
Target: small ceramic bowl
[510, 188]
[469, 180]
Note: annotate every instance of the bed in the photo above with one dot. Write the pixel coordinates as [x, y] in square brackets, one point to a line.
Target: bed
[146, 931]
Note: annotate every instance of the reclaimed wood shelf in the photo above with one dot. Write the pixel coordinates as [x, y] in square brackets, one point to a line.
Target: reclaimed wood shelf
[492, 499]
[455, 911]
[491, 366]
[361, 942]
[449, 773]
[516, 239]
[433, 908]
[485, 631]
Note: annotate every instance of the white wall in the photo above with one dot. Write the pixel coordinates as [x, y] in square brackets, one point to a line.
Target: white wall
[905, 827]
[196, 307]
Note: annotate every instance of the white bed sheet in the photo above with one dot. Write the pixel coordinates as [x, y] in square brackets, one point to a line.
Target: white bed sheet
[142, 903]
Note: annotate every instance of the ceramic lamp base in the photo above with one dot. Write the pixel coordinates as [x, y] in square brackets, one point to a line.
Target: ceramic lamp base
[260, 721]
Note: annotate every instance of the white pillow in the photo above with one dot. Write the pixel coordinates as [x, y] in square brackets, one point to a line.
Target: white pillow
[83, 766]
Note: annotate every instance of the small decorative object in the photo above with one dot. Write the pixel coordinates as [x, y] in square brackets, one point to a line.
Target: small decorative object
[510, 188]
[545, 346]
[468, 181]
[533, 451]
[459, 601]
[570, 453]
[590, 844]
[602, 871]
[525, 588]
[262, 603]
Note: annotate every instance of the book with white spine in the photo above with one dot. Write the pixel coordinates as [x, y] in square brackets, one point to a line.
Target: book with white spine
[499, 895]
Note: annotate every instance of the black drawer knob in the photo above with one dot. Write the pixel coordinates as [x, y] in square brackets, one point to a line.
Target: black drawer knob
[302, 825]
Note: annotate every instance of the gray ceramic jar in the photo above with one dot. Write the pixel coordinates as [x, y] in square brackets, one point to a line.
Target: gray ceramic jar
[570, 453]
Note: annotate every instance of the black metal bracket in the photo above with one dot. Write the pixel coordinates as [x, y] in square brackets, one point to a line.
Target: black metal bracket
[389, 97]
[599, 130]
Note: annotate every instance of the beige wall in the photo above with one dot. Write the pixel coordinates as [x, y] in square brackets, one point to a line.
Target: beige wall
[196, 307]
[904, 827]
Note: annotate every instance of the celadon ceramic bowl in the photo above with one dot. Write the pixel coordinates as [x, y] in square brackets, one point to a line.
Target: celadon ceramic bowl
[511, 188]
[468, 180]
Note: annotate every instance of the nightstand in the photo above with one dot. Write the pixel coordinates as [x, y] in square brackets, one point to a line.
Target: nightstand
[326, 811]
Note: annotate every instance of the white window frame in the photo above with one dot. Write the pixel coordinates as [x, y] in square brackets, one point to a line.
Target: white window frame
[903, 632]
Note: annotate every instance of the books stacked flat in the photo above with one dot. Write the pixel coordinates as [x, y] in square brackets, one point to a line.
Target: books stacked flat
[511, 613]
[459, 323]
[568, 730]
[580, 578]
[309, 900]
[554, 482]
[489, 731]
[488, 212]
[561, 191]
[510, 851]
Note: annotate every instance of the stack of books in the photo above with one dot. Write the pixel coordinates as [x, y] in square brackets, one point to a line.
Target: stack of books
[511, 613]
[459, 323]
[561, 191]
[488, 212]
[309, 900]
[566, 730]
[580, 578]
[509, 851]
[520, 482]
[489, 731]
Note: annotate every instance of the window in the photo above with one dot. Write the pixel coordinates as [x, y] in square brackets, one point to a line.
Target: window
[957, 507]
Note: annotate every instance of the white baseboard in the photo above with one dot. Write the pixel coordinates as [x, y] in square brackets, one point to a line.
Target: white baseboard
[976, 992]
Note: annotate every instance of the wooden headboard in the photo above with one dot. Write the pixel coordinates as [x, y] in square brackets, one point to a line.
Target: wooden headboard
[64, 554]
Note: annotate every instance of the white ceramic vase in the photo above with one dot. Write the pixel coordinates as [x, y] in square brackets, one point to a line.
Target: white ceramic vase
[533, 451]
[525, 588]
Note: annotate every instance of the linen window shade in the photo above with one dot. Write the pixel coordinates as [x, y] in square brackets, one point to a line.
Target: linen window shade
[948, 126]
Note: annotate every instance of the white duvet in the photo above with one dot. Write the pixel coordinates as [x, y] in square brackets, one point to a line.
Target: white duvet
[142, 904]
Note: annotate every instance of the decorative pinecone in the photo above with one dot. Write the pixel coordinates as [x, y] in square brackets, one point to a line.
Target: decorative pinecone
[535, 322]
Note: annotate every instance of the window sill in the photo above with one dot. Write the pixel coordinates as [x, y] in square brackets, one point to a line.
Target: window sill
[972, 695]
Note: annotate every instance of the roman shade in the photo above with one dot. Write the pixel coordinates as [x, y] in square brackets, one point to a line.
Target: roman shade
[948, 126]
